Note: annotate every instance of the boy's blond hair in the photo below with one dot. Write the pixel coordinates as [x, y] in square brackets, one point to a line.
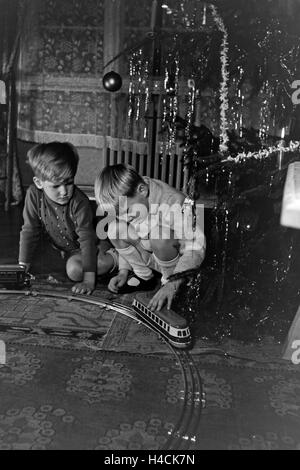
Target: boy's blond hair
[55, 161]
[115, 181]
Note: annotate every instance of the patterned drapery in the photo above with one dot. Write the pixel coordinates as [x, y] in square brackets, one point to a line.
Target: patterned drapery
[61, 64]
[10, 184]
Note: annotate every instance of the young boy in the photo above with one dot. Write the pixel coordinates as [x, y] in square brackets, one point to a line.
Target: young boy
[54, 205]
[153, 227]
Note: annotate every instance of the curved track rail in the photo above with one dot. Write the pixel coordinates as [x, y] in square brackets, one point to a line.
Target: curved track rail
[184, 433]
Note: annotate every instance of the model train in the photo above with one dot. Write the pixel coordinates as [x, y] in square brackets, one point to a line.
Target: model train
[171, 325]
[14, 276]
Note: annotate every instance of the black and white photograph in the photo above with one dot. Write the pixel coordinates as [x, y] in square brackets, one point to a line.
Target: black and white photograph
[149, 227]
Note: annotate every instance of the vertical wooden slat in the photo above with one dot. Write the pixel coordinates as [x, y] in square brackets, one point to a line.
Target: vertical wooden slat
[179, 172]
[164, 163]
[106, 150]
[134, 153]
[150, 137]
[126, 151]
[143, 158]
[119, 150]
[171, 178]
[144, 163]
[157, 161]
[114, 148]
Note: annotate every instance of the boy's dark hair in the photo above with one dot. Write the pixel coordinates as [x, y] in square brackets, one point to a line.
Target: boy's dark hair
[55, 161]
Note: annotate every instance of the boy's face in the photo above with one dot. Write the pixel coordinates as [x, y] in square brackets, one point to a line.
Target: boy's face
[136, 207]
[58, 191]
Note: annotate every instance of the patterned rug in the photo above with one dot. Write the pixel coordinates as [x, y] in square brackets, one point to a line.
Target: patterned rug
[62, 399]
[59, 398]
[81, 377]
[58, 322]
[249, 406]
[80, 322]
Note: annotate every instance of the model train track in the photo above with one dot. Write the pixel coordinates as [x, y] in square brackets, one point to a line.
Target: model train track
[184, 434]
[185, 431]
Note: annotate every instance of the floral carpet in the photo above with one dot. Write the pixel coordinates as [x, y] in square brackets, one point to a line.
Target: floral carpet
[109, 330]
[62, 399]
[102, 381]
[58, 398]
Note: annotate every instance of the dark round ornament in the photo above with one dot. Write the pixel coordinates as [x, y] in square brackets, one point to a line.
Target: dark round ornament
[112, 81]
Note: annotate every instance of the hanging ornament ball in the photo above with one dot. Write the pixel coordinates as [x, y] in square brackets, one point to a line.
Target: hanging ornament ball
[112, 81]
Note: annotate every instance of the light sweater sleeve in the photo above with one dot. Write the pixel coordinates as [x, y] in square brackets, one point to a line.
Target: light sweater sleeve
[31, 229]
[192, 243]
[188, 230]
[123, 263]
[83, 216]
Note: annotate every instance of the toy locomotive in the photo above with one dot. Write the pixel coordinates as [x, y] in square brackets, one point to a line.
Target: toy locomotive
[14, 276]
[170, 324]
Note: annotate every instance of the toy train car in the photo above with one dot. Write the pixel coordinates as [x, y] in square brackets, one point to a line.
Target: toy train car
[171, 325]
[14, 276]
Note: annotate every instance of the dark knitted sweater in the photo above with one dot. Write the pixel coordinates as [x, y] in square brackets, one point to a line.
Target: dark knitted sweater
[70, 226]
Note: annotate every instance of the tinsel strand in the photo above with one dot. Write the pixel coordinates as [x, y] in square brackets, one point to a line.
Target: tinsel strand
[224, 139]
[293, 146]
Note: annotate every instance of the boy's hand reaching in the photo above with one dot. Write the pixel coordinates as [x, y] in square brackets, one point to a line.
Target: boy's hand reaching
[165, 294]
[118, 281]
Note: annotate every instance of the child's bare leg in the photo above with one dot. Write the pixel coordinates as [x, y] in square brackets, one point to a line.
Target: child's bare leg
[74, 268]
[106, 261]
[166, 252]
[126, 241]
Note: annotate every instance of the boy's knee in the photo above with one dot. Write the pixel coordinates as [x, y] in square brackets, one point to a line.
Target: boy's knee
[165, 249]
[106, 262]
[74, 269]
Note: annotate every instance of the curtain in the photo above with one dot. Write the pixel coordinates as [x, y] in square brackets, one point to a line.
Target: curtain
[60, 75]
[10, 184]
